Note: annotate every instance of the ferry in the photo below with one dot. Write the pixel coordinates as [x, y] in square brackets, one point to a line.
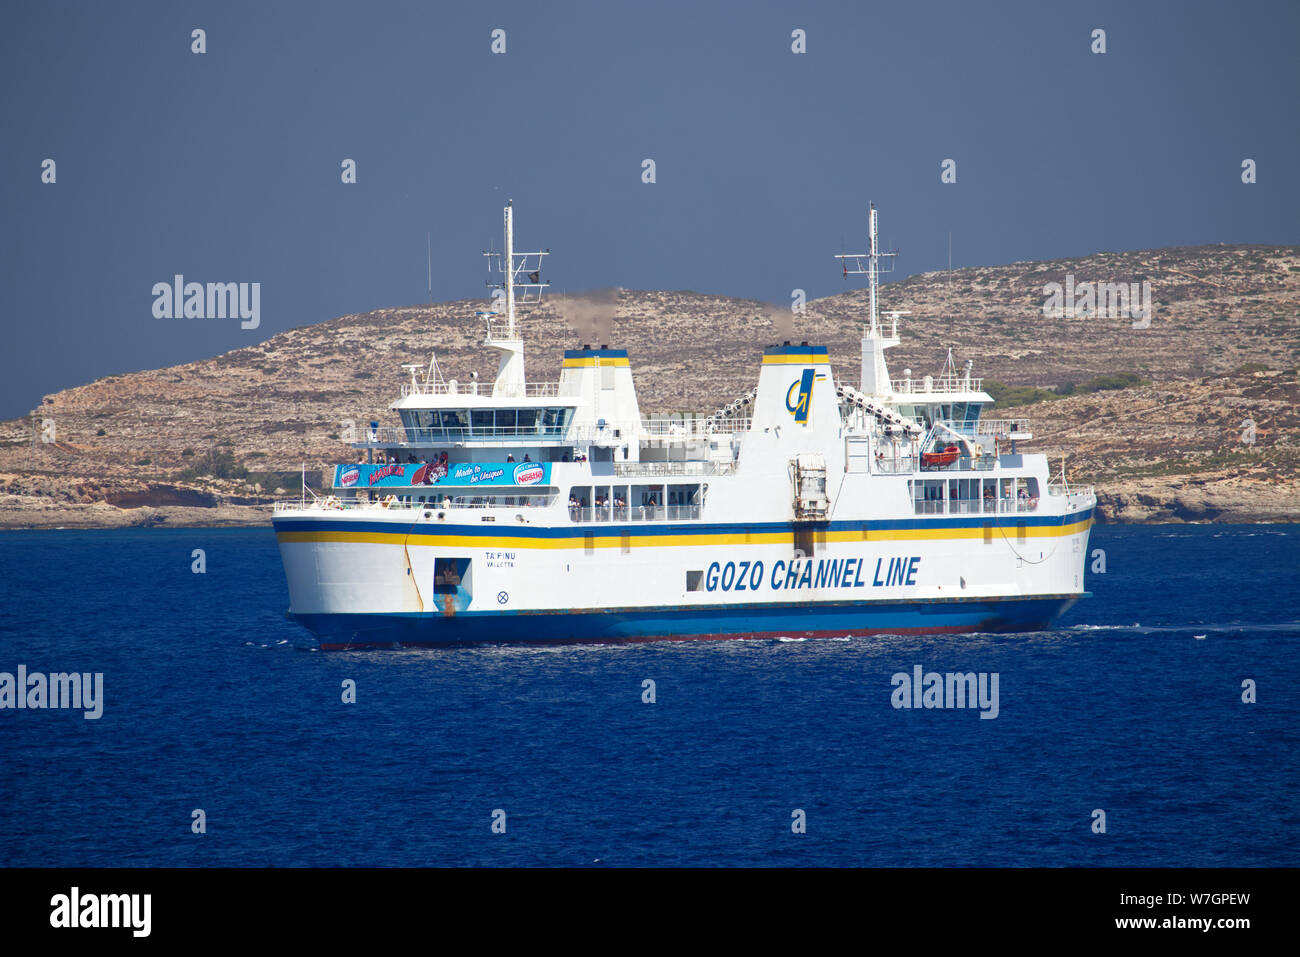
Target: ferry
[558, 512]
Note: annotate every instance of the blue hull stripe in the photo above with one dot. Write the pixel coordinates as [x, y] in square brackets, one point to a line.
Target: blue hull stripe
[432, 629]
[604, 529]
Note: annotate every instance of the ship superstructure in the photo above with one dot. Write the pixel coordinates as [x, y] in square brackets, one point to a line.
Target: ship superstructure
[558, 512]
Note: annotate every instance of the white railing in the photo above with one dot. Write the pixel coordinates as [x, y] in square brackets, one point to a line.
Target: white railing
[332, 504]
[634, 469]
[692, 428]
[902, 466]
[942, 384]
[983, 463]
[986, 506]
[531, 389]
[444, 435]
[1004, 427]
[636, 513]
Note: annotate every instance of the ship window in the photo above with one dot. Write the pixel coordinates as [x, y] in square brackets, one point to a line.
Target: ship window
[527, 421]
[506, 421]
[693, 580]
[448, 574]
[481, 420]
[557, 420]
[455, 419]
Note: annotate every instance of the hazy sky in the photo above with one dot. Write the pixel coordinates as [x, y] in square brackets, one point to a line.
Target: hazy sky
[225, 166]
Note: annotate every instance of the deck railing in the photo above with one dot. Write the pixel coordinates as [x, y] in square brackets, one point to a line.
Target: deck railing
[520, 434]
[988, 506]
[652, 469]
[636, 513]
[941, 384]
[1003, 427]
[693, 428]
[531, 389]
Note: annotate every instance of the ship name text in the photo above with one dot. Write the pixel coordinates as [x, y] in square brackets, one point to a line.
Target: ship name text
[807, 573]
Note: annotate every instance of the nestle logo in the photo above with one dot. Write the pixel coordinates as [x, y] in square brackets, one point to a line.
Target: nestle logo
[349, 476]
[528, 473]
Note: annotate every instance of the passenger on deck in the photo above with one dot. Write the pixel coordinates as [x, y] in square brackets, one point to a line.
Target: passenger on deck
[509, 457]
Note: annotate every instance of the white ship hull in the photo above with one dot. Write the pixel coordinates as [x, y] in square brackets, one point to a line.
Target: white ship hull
[556, 512]
[370, 576]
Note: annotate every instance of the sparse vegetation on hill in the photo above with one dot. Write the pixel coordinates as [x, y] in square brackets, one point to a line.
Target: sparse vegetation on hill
[1155, 416]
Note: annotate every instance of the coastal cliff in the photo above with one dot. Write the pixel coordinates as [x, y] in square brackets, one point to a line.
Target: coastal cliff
[1193, 418]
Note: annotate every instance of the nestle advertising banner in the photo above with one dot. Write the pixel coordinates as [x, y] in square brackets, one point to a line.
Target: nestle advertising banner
[445, 476]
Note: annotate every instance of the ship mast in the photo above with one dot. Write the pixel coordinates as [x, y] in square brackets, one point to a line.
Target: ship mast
[875, 373]
[873, 264]
[510, 271]
[512, 266]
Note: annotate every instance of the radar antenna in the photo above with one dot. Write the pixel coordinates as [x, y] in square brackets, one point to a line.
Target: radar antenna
[875, 371]
[520, 284]
[513, 267]
[869, 264]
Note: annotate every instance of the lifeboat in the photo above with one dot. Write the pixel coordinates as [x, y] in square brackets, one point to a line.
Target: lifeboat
[939, 459]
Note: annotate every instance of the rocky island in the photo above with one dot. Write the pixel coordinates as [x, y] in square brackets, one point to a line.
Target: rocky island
[1192, 418]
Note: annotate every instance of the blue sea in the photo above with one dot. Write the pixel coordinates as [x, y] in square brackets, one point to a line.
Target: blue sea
[213, 701]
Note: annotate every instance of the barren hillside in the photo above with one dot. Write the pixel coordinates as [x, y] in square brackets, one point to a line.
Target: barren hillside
[206, 442]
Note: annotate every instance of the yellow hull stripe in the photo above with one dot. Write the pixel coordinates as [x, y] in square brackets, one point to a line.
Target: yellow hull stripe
[1009, 532]
[587, 363]
[820, 358]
